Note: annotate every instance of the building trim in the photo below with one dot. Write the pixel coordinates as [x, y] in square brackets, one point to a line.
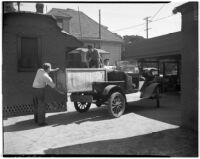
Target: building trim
[159, 54]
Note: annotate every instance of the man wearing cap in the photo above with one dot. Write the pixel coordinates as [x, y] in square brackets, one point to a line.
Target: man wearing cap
[93, 57]
[42, 79]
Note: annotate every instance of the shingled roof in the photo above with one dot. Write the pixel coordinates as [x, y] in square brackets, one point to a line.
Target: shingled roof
[89, 27]
[59, 13]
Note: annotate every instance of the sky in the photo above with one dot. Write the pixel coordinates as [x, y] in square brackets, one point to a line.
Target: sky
[125, 18]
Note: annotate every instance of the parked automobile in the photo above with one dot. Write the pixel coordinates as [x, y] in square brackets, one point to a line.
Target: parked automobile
[99, 86]
[169, 81]
[153, 70]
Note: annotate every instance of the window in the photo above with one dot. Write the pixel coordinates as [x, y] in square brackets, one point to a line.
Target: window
[28, 54]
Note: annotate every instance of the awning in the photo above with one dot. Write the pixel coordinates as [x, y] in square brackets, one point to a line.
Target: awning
[78, 50]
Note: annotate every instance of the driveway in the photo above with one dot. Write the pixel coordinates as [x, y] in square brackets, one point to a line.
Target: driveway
[143, 130]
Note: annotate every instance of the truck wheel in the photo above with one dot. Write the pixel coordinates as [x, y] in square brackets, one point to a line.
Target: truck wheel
[82, 107]
[116, 104]
[98, 104]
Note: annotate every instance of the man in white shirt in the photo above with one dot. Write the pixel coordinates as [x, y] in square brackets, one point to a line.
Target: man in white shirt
[42, 79]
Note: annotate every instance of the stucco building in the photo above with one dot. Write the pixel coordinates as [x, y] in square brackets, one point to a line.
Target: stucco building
[30, 39]
[87, 30]
[180, 48]
[190, 55]
[163, 52]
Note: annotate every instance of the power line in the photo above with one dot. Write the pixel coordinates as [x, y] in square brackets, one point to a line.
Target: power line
[129, 27]
[158, 11]
[134, 26]
[163, 18]
[138, 32]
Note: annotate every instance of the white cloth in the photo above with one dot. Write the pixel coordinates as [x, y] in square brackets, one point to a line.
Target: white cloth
[110, 68]
[42, 79]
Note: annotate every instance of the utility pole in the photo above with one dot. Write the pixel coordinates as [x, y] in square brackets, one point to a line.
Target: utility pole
[18, 6]
[80, 23]
[99, 29]
[147, 29]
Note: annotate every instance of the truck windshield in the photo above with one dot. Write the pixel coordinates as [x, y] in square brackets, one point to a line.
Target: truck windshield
[128, 67]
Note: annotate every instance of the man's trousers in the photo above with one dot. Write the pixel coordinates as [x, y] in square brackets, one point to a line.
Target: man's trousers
[39, 105]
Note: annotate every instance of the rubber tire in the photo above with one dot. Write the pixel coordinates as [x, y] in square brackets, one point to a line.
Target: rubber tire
[98, 104]
[80, 110]
[110, 101]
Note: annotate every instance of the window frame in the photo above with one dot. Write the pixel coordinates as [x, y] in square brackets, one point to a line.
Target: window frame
[19, 52]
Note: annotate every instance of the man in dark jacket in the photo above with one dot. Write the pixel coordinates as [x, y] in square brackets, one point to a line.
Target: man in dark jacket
[93, 57]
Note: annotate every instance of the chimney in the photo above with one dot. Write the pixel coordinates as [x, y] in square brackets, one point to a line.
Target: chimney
[39, 7]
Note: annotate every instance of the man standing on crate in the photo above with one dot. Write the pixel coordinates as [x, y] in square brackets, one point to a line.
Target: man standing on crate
[93, 57]
[42, 79]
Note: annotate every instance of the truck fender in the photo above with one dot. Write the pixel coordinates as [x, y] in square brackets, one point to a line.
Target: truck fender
[111, 88]
[149, 90]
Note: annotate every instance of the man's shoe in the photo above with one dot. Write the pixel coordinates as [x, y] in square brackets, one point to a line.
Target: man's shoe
[35, 118]
[141, 95]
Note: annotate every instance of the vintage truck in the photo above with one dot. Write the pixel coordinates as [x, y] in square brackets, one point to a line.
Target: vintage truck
[101, 87]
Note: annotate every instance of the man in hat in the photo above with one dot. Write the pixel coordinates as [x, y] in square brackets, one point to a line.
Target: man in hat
[42, 79]
[93, 57]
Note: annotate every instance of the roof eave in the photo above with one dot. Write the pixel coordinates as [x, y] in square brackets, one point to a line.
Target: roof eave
[184, 7]
[102, 40]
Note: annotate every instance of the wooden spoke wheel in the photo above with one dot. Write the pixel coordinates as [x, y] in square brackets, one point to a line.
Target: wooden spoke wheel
[117, 104]
[82, 107]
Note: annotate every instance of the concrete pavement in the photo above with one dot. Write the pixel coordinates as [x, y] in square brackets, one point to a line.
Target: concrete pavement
[142, 130]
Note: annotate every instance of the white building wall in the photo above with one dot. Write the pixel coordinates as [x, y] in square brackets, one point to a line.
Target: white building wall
[114, 49]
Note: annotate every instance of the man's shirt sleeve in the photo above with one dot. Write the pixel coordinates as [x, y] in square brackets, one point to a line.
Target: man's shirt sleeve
[49, 81]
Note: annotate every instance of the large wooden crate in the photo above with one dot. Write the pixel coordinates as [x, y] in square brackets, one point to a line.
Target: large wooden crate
[80, 80]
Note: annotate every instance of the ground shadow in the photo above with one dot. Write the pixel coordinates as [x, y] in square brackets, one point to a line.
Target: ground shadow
[177, 142]
[95, 114]
[168, 112]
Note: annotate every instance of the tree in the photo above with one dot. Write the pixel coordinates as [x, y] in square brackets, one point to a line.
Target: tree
[8, 7]
[130, 39]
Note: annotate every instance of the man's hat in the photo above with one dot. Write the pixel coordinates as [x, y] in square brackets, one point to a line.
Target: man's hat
[46, 65]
